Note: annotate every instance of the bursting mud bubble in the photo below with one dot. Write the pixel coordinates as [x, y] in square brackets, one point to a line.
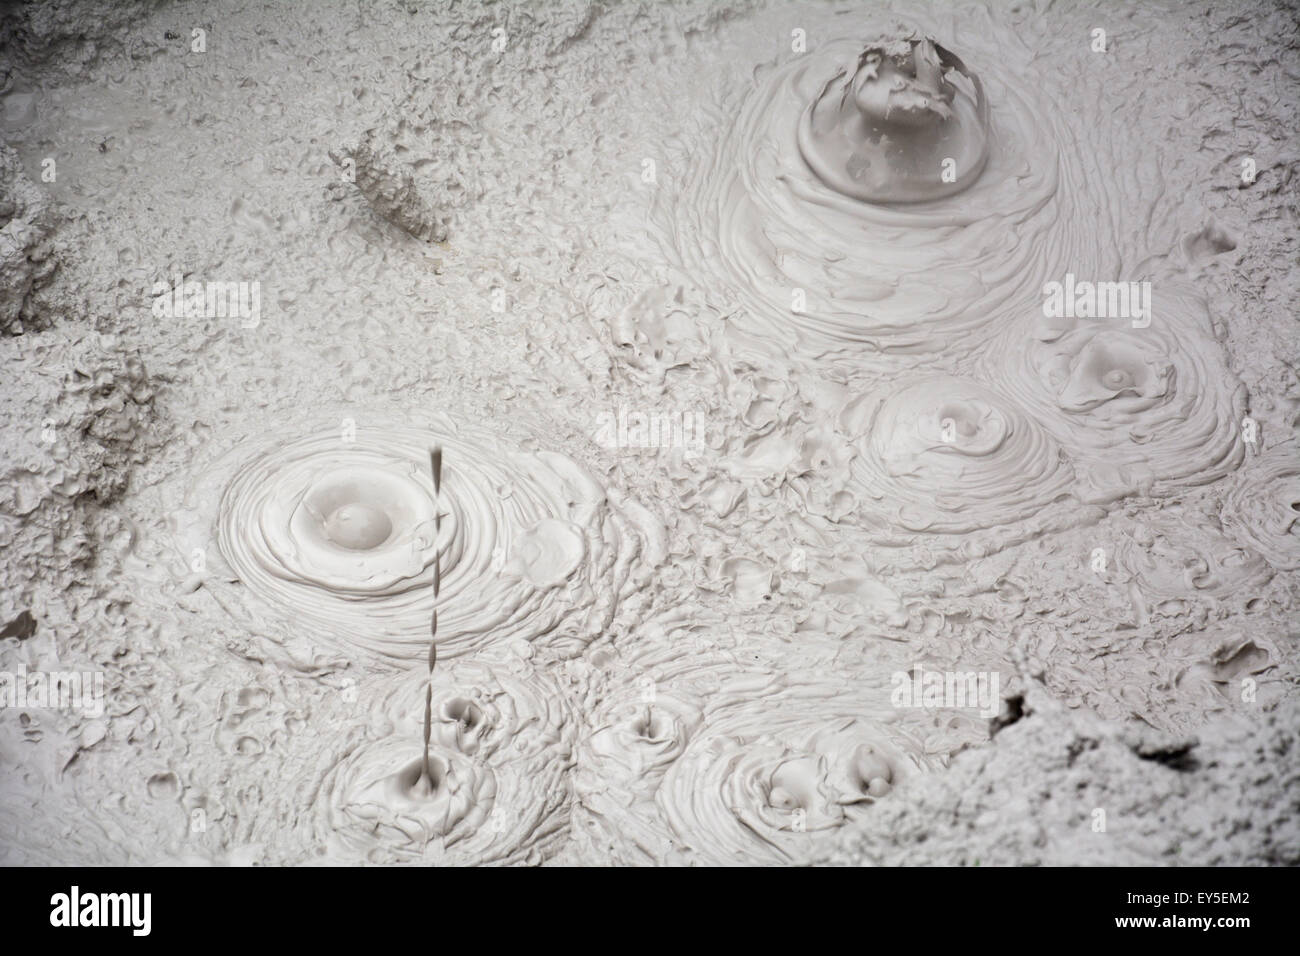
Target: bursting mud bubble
[898, 126]
[741, 434]
[911, 220]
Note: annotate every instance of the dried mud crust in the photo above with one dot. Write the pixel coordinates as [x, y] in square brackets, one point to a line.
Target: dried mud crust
[77, 418]
[26, 260]
[1040, 792]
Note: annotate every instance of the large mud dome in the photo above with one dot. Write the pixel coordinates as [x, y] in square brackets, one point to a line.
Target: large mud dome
[716, 433]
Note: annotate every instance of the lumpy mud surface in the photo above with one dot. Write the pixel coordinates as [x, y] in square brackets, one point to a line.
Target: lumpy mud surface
[731, 325]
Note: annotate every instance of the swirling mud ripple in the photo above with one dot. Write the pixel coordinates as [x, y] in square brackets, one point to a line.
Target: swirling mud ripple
[956, 468]
[779, 763]
[1138, 408]
[689, 758]
[1263, 507]
[336, 536]
[500, 750]
[883, 198]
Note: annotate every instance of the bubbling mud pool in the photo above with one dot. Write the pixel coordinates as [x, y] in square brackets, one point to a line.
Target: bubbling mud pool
[708, 680]
[881, 202]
